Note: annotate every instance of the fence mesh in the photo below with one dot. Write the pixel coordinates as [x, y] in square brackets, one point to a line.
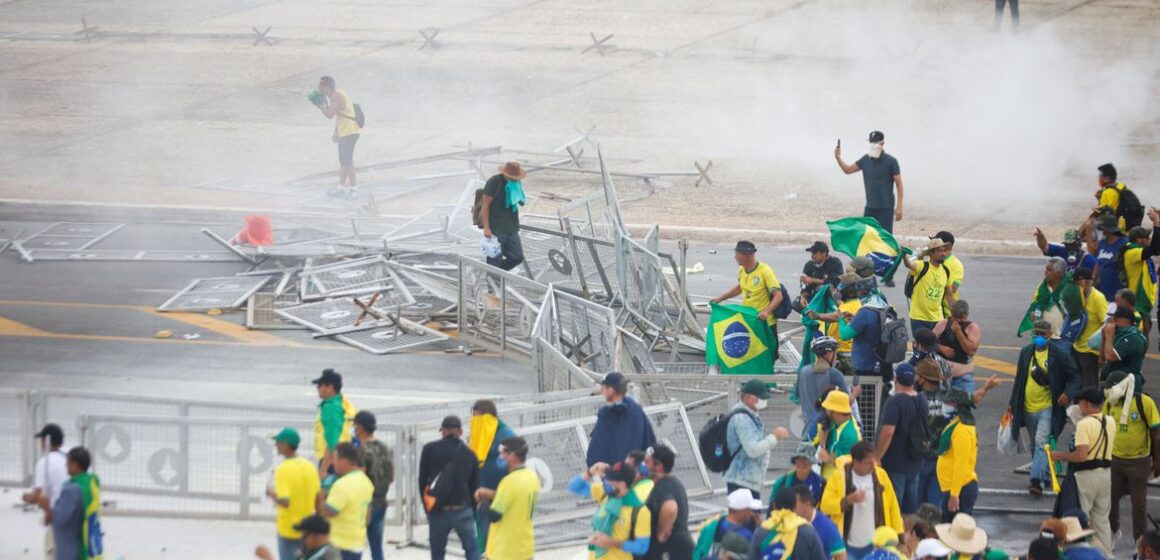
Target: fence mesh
[498, 309]
[14, 416]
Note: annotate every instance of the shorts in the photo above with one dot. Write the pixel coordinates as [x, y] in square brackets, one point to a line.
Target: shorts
[346, 150]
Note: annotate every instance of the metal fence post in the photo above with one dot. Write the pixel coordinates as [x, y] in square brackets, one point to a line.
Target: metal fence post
[27, 442]
[244, 486]
[183, 446]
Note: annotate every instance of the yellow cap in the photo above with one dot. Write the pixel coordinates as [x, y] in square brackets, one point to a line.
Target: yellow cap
[885, 537]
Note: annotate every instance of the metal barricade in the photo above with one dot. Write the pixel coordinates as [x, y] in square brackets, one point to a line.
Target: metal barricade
[497, 309]
[16, 430]
[217, 468]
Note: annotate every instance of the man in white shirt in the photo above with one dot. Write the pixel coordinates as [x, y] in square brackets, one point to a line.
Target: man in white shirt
[49, 476]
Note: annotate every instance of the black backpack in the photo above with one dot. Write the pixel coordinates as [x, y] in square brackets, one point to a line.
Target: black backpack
[713, 442]
[782, 310]
[911, 280]
[893, 337]
[921, 445]
[477, 209]
[359, 118]
[1130, 208]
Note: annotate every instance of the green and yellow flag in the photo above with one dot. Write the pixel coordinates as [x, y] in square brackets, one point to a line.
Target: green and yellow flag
[738, 342]
[864, 236]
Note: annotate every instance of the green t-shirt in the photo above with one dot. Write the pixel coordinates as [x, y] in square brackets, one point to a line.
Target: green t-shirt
[1130, 346]
[501, 219]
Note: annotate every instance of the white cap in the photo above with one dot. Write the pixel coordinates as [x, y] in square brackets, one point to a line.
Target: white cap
[756, 505]
[739, 499]
[933, 548]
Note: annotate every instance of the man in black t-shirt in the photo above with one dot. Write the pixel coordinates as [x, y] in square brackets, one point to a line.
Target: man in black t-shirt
[880, 176]
[901, 413]
[502, 197]
[820, 271]
[669, 505]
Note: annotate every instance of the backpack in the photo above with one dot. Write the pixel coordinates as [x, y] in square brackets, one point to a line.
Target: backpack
[379, 467]
[893, 337]
[440, 488]
[361, 121]
[782, 310]
[919, 446]
[911, 280]
[713, 442]
[477, 209]
[1130, 208]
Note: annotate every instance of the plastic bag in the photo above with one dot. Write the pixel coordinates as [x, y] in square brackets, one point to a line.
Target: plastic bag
[490, 247]
[1009, 440]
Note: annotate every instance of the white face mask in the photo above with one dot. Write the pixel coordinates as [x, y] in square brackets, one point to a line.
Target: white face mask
[875, 151]
[761, 404]
[948, 410]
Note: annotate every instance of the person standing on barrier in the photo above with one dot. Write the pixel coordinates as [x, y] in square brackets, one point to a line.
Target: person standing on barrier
[621, 425]
[335, 420]
[669, 504]
[748, 442]
[758, 287]
[379, 465]
[348, 502]
[511, 505]
[448, 479]
[1091, 461]
[503, 194]
[487, 431]
[295, 490]
[76, 522]
[49, 475]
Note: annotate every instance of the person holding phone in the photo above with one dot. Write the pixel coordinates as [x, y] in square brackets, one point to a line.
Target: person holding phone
[881, 177]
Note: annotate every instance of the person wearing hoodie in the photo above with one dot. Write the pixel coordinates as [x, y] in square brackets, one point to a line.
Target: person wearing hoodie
[621, 425]
[785, 535]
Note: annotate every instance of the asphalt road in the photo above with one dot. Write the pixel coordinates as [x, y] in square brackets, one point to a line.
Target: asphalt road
[90, 326]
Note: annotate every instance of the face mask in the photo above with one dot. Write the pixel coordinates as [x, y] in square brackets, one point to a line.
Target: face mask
[761, 404]
[643, 470]
[501, 463]
[948, 410]
[875, 151]
[608, 489]
[1040, 341]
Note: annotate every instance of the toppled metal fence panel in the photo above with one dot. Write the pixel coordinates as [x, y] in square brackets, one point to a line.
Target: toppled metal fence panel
[127, 255]
[355, 277]
[402, 335]
[583, 331]
[214, 293]
[262, 310]
[555, 372]
[578, 264]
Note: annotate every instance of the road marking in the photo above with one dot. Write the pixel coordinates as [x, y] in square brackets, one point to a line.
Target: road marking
[1006, 368]
[12, 328]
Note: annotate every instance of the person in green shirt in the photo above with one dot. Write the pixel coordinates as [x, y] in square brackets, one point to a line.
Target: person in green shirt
[1123, 346]
[841, 434]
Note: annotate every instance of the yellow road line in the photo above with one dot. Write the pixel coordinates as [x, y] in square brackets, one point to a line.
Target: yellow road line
[1006, 368]
[206, 322]
[19, 329]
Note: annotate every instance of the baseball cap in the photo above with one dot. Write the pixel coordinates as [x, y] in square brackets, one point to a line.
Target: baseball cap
[314, 525]
[1071, 236]
[366, 420]
[876, 137]
[932, 548]
[53, 432]
[746, 247]
[1139, 232]
[1090, 394]
[904, 373]
[1083, 273]
[328, 377]
[755, 387]
[739, 499]
[613, 379]
[451, 422]
[1114, 378]
[885, 537]
[946, 236]
[289, 436]
[818, 247]
[735, 546]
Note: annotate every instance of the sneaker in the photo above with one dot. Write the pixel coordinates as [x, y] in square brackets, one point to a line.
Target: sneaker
[890, 284]
[1035, 489]
[352, 193]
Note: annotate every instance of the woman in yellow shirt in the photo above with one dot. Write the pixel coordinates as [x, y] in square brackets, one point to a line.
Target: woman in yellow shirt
[958, 449]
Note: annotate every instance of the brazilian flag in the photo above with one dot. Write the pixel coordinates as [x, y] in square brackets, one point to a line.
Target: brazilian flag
[822, 303]
[738, 342]
[864, 236]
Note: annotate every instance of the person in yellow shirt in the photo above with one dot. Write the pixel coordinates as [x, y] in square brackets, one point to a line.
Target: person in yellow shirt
[348, 502]
[954, 269]
[1133, 459]
[958, 449]
[346, 132]
[295, 488]
[757, 285]
[1108, 192]
[621, 526]
[1140, 271]
[1091, 461]
[1095, 306]
[930, 279]
[513, 502]
[850, 305]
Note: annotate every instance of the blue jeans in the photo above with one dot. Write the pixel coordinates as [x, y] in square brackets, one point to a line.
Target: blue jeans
[1039, 428]
[288, 548]
[906, 488]
[965, 382]
[967, 498]
[916, 325]
[462, 522]
[511, 251]
[928, 489]
[855, 553]
[375, 531]
[350, 554]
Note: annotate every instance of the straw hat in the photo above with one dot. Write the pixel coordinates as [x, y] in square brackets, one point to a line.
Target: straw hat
[513, 171]
[837, 401]
[962, 535]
